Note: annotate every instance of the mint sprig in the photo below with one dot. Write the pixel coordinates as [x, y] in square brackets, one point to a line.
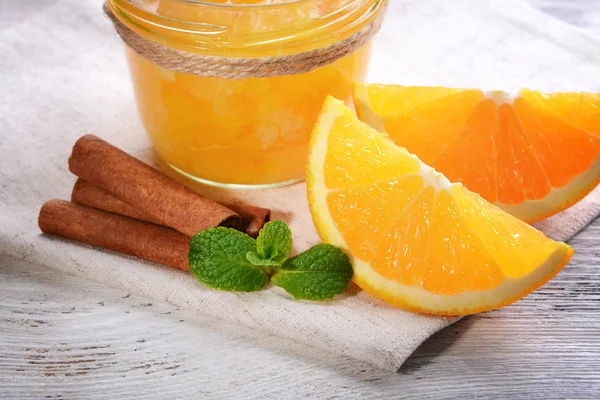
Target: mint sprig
[227, 259]
[273, 245]
[218, 259]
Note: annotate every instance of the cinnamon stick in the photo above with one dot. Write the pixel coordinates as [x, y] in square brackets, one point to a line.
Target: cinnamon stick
[115, 232]
[252, 218]
[92, 196]
[145, 188]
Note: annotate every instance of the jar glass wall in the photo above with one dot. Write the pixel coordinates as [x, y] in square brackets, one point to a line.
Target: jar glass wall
[253, 131]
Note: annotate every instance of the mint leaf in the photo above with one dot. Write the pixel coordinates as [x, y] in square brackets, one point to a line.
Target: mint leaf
[273, 245]
[319, 273]
[227, 259]
[258, 260]
[217, 258]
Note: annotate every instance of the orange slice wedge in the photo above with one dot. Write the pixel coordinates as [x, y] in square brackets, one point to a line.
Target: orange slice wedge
[415, 239]
[531, 154]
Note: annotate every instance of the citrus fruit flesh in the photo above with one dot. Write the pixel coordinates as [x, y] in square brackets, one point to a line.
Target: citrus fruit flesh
[415, 239]
[531, 154]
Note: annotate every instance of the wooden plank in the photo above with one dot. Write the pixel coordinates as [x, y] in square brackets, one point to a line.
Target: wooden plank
[582, 13]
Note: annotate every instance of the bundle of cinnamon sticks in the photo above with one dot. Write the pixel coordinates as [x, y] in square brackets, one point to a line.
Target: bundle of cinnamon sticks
[121, 204]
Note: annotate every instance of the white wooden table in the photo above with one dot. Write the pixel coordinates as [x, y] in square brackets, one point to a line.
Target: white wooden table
[62, 337]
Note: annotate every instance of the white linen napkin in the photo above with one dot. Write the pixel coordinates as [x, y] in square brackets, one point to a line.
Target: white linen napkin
[63, 73]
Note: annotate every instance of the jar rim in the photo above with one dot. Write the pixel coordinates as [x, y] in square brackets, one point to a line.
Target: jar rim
[225, 6]
[241, 6]
[204, 36]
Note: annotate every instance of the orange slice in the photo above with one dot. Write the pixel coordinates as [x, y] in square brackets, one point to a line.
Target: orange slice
[531, 154]
[416, 240]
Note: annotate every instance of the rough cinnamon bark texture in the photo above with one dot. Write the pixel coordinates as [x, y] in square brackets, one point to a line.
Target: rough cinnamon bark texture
[253, 218]
[115, 232]
[147, 189]
[91, 195]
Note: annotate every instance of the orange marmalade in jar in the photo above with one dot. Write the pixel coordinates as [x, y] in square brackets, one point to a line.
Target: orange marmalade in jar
[228, 90]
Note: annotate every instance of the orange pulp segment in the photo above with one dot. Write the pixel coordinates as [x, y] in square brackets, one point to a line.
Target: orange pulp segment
[531, 154]
[415, 239]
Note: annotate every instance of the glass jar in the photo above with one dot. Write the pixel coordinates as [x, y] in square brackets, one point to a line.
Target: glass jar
[241, 129]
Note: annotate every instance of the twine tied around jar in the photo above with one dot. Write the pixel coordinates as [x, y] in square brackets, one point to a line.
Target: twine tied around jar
[239, 68]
